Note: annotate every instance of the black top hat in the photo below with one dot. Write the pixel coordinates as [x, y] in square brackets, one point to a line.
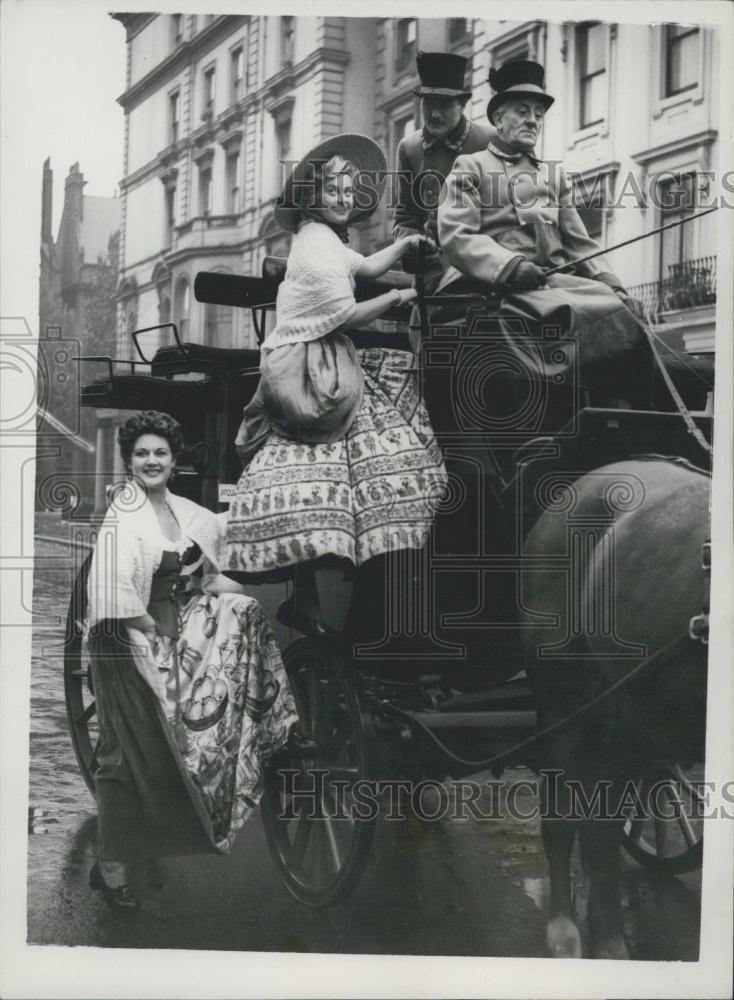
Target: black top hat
[441, 73]
[520, 78]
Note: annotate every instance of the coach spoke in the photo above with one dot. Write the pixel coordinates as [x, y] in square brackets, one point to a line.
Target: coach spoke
[86, 714]
[331, 835]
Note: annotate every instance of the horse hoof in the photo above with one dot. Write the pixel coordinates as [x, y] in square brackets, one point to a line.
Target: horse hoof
[564, 940]
[612, 947]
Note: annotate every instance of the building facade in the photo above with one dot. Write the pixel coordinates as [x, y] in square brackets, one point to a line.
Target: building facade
[77, 316]
[215, 106]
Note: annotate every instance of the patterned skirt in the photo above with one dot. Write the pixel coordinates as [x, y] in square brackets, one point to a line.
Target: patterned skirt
[183, 780]
[372, 492]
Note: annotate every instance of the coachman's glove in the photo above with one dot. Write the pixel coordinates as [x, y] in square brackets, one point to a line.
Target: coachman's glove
[634, 305]
[524, 277]
[410, 258]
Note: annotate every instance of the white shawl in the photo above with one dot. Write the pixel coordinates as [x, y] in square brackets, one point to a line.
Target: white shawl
[317, 294]
[130, 546]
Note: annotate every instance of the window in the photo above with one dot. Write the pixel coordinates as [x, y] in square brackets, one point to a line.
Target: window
[233, 183]
[458, 29]
[176, 30]
[283, 139]
[400, 128]
[677, 201]
[209, 80]
[182, 307]
[219, 322]
[174, 102]
[205, 189]
[681, 58]
[170, 214]
[591, 45]
[405, 43]
[237, 74]
[591, 200]
[287, 40]
[164, 308]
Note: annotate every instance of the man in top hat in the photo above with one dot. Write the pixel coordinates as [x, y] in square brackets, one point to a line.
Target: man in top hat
[506, 215]
[426, 156]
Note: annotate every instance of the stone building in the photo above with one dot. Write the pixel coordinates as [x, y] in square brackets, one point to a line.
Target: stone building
[212, 106]
[77, 315]
[216, 106]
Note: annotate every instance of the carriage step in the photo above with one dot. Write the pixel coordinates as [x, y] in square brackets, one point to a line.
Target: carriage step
[510, 691]
[475, 720]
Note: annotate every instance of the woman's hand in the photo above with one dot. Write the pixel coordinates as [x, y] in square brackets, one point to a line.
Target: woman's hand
[145, 646]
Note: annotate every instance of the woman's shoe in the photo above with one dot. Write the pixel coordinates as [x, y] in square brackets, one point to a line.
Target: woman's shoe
[119, 898]
[298, 741]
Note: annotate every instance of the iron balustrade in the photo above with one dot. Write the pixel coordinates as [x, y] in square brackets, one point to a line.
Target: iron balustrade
[689, 285]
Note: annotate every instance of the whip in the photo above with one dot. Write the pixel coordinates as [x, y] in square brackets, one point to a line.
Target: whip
[625, 243]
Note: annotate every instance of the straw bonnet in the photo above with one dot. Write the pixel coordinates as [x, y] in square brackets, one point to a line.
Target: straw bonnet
[369, 161]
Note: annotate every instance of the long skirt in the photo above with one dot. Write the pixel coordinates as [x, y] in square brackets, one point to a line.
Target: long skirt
[371, 492]
[184, 778]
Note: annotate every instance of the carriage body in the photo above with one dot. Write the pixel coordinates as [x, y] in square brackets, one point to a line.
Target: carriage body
[425, 718]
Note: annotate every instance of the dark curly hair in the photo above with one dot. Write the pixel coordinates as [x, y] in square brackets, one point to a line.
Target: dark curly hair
[149, 422]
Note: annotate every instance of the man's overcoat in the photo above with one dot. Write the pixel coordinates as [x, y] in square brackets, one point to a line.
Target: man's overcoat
[423, 162]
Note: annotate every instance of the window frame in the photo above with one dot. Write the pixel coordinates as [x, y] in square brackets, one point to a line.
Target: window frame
[453, 39]
[169, 220]
[204, 173]
[604, 178]
[667, 214]
[404, 55]
[283, 123]
[177, 30]
[662, 104]
[182, 295]
[208, 82]
[174, 120]
[235, 53]
[234, 204]
[582, 77]
[287, 39]
[692, 30]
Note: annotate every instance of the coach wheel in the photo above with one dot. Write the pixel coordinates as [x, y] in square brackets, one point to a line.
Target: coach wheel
[81, 709]
[671, 841]
[318, 835]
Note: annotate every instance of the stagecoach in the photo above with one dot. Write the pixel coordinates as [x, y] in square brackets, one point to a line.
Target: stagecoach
[443, 716]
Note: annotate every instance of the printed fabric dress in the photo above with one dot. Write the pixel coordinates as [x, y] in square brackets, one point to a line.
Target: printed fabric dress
[369, 493]
[184, 780]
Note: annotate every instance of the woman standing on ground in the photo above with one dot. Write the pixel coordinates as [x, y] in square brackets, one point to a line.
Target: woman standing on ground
[190, 687]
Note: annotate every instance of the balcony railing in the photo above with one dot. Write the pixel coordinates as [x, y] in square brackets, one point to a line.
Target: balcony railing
[689, 284]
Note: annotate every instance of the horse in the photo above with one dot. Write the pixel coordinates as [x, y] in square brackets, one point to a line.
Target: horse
[614, 566]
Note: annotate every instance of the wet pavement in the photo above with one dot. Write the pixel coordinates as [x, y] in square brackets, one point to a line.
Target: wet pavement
[449, 887]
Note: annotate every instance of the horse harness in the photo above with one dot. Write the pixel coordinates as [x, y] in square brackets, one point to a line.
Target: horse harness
[698, 627]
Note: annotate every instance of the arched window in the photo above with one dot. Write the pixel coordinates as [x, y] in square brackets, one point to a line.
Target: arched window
[219, 322]
[164, 308]
[181, 308]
